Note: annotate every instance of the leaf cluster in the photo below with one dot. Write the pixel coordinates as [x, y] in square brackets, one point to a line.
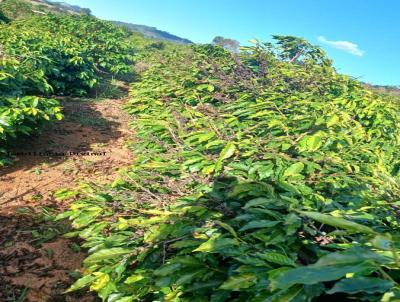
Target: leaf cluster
[53, 55]
[259, 176]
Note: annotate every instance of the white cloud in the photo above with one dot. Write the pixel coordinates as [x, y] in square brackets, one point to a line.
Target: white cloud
[346, 46]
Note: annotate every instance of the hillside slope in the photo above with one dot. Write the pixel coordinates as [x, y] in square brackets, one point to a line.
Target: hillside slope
[388, 90]
[265, 176]
[153, 33]
[50, 139]
[261, 176]
[16, 9]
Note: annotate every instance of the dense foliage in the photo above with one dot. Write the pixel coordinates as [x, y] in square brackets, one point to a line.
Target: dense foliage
[53, 54]
[69, 53]
[15, 9]
[22, 113]
[23, 116]
[262, 176]
[22, 9]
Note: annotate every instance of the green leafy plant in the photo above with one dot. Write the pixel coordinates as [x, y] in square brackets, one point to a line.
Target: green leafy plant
[23, 117]
[261, 176]
[64, 54]
[52, 54]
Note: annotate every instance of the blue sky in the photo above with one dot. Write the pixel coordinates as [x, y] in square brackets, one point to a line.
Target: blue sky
[361, 36]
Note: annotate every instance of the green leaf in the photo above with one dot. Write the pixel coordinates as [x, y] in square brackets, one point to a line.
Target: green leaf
[125, 299]
[3, 122]
[293, 170]
[81, 283]
[333, 120]
[216, 244]
[59, 116]
[167, 269]
[276, 258]
[102, 197]
[265, 171]
[311, 142]
[226, 153]
[391, 296]
[134, 278]
[100, 282]
[338, 222]
[258, 202]
[355, 285]
[382, 242]
[185, 243]
[352, 256]
[238, 282]
[292, 294]
[106, 254]
[258, 224]
[227, 227]
[314, 142]
[187, 278]
[313, 274]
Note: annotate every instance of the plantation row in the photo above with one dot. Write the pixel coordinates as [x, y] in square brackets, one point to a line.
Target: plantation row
[263, 176]
[53, 55]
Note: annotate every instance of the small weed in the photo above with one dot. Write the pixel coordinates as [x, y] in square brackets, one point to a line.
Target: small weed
[37, 197]
[75, 247]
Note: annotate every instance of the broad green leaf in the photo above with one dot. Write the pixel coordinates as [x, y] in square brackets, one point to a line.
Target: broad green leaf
[81, 283]
[338, 222]
[277, 258]
[314, 142]
[134, 278]
[265, 171]
[187, 278]
[257, 224]
[167, 269]
[100, 282]
[352, 256]
[382, 242]
[125, 299]
[238, 282]
[3, 122]
[228, 228]
[292, 294]
[258, 202]
[216, 244]
[293, 170]
[106, 254]
[333, 120]
[355, 285]
[228, 151]
[313, 274]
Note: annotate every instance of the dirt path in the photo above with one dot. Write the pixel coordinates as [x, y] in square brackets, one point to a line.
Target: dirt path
[88, 145]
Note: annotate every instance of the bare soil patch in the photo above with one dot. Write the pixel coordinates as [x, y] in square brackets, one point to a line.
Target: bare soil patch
[87, 146]
[34, 271]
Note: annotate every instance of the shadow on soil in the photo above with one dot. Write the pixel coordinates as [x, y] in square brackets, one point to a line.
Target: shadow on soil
[36, 265]
[83, 129]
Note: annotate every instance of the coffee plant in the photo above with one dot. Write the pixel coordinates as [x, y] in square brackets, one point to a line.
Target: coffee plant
[16, 9]
[70, 52]
[21, 114]
[259, 176]
[50, 55]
